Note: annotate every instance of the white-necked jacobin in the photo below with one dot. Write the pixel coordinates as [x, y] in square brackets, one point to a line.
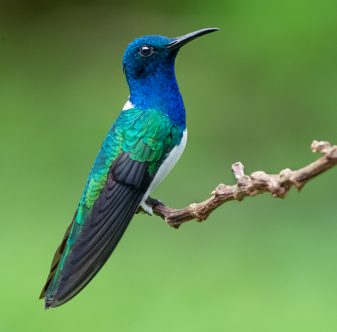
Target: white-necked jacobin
[140, 149]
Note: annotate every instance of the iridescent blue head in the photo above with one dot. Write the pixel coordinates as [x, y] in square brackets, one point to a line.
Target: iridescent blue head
[149, 68]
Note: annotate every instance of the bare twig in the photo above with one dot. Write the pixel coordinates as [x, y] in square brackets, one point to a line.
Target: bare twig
[250, 185]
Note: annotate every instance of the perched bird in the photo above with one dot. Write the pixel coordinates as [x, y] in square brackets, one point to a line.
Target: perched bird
[140, 149]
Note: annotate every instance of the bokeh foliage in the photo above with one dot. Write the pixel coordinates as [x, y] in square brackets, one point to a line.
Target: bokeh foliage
[258, 91]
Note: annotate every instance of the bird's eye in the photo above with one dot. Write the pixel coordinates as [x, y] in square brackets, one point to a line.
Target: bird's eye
[146, 51]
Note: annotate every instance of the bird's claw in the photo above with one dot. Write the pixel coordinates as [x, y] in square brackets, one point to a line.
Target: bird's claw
[147, 208]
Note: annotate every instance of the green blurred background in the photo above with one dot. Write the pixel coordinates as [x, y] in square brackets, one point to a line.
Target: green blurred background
[258, 91]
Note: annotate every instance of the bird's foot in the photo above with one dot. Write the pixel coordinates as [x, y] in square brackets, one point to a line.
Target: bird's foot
[148, 205]
[147, 208]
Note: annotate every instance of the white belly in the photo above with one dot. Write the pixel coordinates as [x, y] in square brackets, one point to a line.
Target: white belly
[165, 168]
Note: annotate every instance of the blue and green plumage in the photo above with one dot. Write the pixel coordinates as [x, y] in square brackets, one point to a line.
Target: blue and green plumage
[146, 136]
[130, 163]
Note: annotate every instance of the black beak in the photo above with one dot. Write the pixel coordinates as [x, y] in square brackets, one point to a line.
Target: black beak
[180, 41]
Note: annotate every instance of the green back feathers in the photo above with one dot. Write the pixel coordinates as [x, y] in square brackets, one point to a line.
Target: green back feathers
[146, 135]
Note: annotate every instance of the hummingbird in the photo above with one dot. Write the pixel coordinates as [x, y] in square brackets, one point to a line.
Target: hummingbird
[140, 149]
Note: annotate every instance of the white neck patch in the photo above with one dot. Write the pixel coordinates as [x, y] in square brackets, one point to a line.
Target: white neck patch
[127, 105]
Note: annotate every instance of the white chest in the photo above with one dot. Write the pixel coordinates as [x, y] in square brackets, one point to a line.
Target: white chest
[166, 166]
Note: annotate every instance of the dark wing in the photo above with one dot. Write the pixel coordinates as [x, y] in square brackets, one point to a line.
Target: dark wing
[127, 183]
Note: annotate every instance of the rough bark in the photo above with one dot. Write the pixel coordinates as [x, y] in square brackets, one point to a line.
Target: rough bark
[250, 185]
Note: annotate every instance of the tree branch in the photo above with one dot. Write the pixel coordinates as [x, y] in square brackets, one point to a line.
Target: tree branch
[250, 185]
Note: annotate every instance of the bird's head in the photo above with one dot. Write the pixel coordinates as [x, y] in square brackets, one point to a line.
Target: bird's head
[152, 54]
